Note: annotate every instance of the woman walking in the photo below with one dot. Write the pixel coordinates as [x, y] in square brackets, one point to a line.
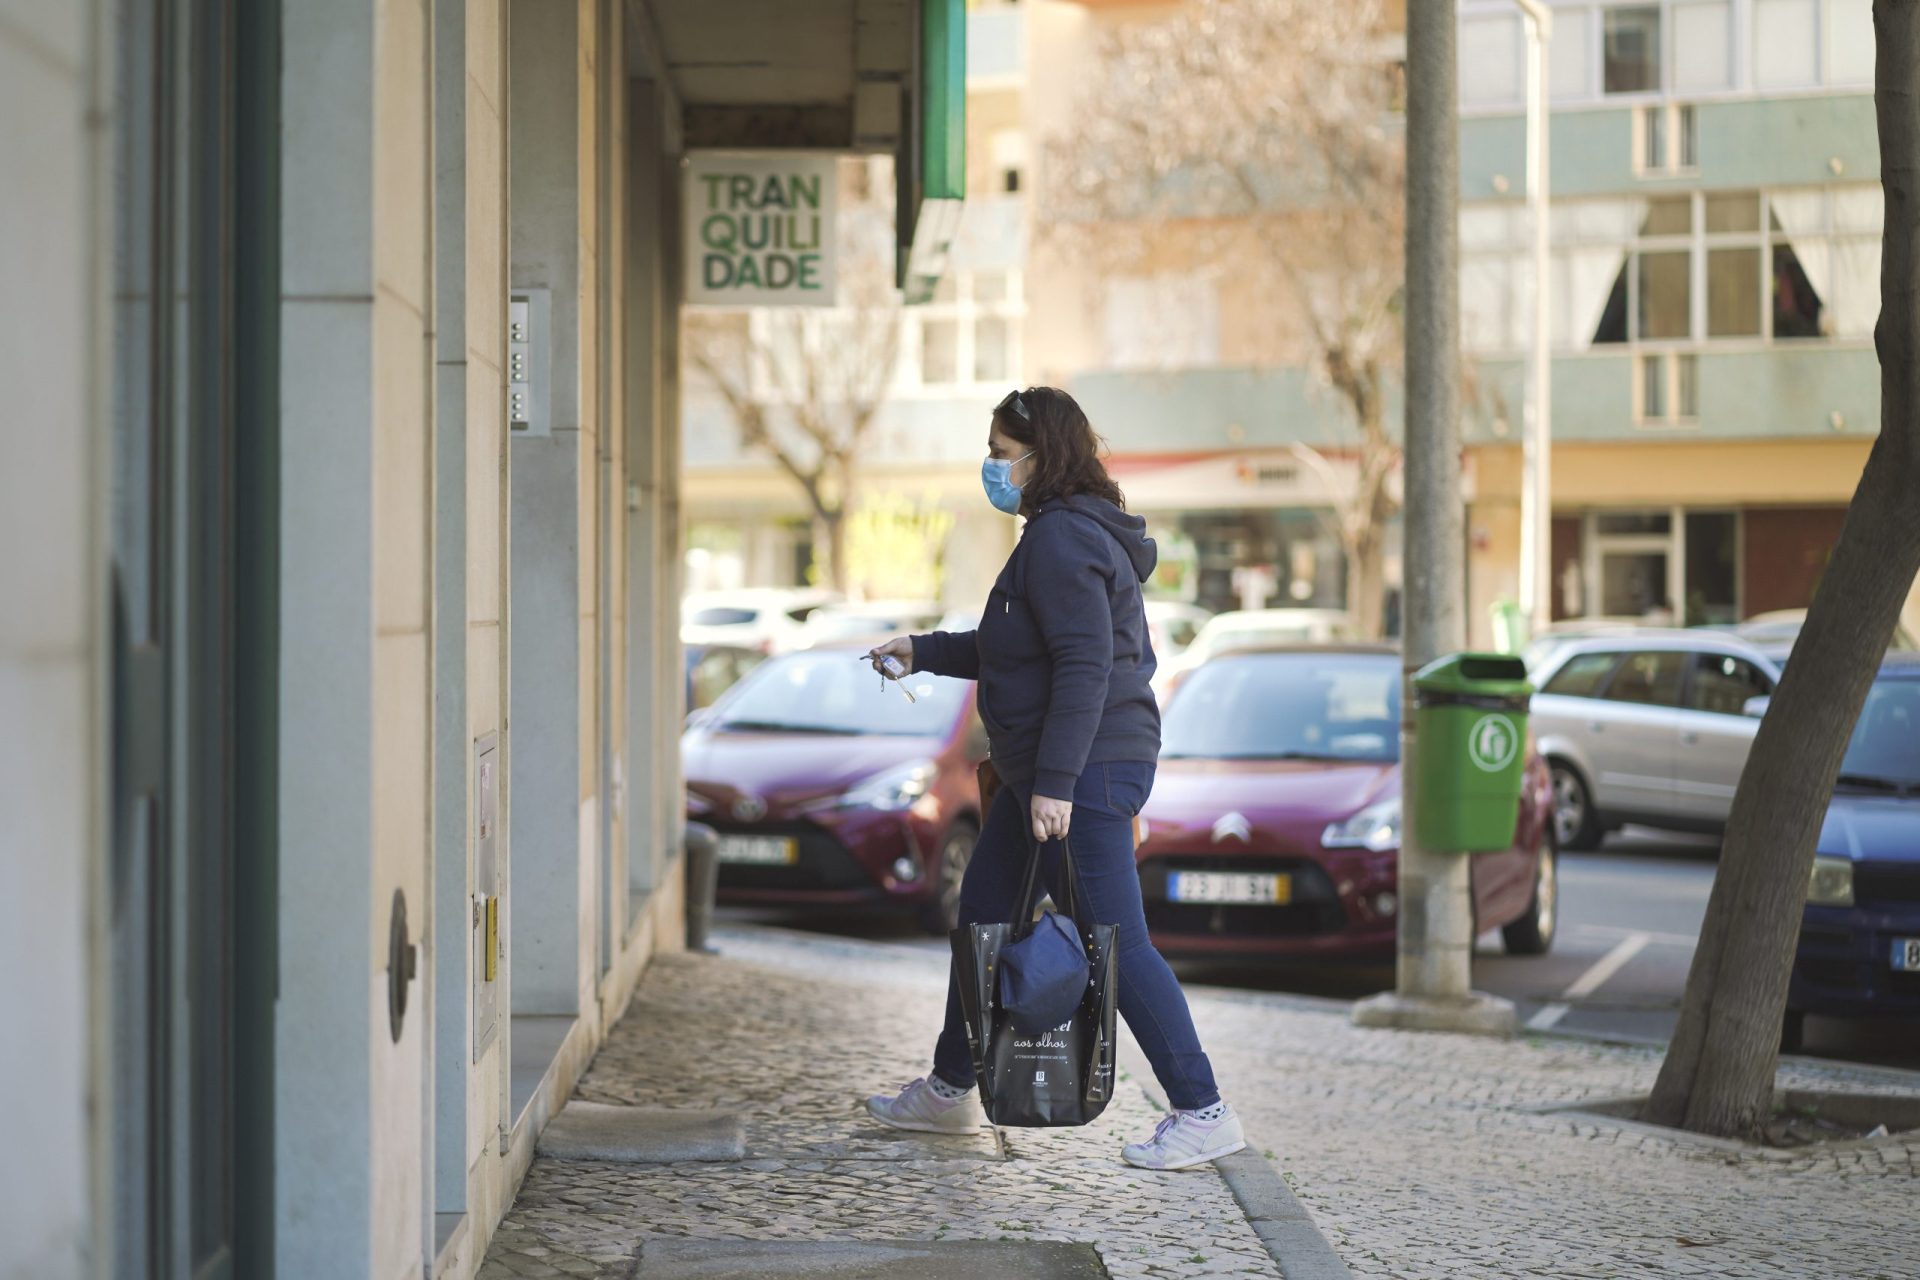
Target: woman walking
[1062, 659]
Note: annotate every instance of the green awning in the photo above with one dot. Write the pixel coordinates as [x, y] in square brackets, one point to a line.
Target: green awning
[933, 185]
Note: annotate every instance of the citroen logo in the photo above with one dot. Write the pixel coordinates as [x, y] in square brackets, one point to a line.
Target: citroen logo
[1234, 826]
[749, 808]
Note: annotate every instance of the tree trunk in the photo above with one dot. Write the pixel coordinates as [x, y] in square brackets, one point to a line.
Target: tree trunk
[1366, 582]
[832, 526]
[1719, 1070]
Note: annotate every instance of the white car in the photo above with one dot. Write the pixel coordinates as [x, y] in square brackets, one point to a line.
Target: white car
[1173, 624]
[1255, 629]
[766, 619]
[832, 623]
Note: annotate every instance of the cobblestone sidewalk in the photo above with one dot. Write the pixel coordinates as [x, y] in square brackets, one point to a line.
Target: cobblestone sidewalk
[1426, 1156]
[1420, 1156]
[792, 1034]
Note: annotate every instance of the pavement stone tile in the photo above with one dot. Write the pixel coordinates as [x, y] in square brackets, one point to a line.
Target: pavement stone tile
[793, 1050]
[1418, 1155]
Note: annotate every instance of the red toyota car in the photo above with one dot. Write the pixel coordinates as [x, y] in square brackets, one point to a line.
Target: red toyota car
[1274, 826]
[829, 789]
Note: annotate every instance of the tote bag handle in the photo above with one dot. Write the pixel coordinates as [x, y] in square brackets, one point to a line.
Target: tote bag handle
[1030, 884]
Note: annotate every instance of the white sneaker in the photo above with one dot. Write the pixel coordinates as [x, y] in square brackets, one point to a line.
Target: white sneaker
[1183, 1140]
[918, 1107]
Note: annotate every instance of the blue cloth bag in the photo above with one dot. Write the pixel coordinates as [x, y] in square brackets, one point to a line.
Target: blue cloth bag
[1043, 976]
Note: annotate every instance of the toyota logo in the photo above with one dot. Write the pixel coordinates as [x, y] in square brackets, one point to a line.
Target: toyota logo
[749, 808]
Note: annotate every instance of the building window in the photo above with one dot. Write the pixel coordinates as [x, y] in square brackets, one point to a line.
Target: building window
[1733, 293]
[991, 340]
[1786, 44]
[1492, 71]
[1009, 159]
[1727, 265]
[1665, 306]
[1665, 139]
[968, 335]
[1688, 47]
[939, 350]
[1668, 387]
[1570, 55]
[1630, 61]
[1849, 41]
[1702, 46]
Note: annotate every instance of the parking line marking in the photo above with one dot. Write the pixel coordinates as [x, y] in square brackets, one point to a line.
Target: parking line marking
[1615, 931]
[1589, 982]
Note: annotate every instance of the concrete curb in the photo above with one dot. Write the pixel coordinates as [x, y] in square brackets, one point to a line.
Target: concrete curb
[1284, 1226]
[1905, 1077]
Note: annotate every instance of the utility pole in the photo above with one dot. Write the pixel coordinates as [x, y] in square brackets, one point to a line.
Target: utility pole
[1434, 957]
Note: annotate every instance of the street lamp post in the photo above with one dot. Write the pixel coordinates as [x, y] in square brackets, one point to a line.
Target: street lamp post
[1433, 962]
[1536, 454]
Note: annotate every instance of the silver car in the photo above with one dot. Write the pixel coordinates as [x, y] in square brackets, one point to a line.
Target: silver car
[1650, 727]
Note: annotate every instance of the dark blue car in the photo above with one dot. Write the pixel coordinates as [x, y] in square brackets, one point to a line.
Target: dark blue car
[1859, 950]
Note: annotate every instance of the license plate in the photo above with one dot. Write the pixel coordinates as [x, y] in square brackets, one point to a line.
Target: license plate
[1230, 887]
[1906, 954]
[759, 851]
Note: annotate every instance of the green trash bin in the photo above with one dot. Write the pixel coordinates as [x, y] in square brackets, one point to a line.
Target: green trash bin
[1470, 714]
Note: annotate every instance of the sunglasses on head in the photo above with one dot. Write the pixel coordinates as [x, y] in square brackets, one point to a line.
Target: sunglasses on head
[1015, 404]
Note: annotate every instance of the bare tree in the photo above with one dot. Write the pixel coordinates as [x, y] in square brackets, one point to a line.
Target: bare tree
[804, 386]
[1719, 1070]
[1258, 138]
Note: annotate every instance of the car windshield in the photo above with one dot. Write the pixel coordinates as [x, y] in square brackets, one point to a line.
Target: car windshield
[1886, 741]
[836, 691]
[1283, 706]
[838, 625]
[1231, 639]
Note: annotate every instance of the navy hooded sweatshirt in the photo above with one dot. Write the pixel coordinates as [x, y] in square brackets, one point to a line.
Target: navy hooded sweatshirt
[1062, 654]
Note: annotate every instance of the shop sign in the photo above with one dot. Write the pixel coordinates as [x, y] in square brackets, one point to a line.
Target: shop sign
[760, 229]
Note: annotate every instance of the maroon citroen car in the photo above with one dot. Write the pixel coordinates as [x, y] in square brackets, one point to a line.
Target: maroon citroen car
[829, 789]
[1274, 827]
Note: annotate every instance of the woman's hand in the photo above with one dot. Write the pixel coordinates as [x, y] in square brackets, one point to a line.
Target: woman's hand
[900, 647]
[1051, 817]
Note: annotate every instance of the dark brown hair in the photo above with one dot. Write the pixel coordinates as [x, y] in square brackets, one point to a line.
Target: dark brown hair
[1066, 452]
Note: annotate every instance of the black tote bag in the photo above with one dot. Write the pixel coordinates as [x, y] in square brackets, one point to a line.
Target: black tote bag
[1060, 1077]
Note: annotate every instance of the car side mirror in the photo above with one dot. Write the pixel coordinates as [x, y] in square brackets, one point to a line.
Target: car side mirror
[1757, 706]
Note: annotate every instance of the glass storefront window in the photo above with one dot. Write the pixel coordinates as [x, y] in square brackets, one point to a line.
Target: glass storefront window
[1712, 568]
[1633, 584]
[1634, 522]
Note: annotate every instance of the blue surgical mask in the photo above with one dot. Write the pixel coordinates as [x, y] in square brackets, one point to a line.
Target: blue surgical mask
[1002, 492]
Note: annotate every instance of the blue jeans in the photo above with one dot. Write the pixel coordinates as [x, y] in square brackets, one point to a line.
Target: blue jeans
[1105, 800]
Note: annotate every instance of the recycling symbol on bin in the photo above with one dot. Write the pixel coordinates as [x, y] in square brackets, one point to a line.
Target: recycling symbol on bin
[1493, 743]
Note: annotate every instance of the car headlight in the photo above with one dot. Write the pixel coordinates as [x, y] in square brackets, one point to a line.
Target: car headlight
[1832, 884]
[891, 790]
[694, 802]
[1376, 827]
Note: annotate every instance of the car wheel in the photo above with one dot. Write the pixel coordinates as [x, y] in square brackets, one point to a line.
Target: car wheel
[1532, 933]
[942, 914]
[1793, 1031]
[1575, 825]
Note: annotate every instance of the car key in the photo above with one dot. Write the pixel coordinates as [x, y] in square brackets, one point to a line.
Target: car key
[891, 668]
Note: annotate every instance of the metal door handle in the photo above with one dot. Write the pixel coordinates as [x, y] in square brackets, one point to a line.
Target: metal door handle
[1690, 738]
[1596, 726]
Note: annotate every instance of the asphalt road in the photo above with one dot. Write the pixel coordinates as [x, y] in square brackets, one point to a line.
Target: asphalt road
[1630, 915]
